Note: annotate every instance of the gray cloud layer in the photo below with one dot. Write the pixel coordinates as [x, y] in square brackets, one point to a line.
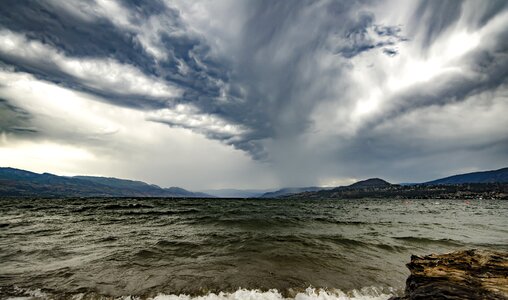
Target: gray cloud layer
[287, 82]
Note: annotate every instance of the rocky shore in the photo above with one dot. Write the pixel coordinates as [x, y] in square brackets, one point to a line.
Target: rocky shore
[470, 274]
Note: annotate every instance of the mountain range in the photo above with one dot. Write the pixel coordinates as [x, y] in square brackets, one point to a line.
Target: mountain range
[495, 176]
[236, 193]
[370, 185]
[16, 182]
[291, 190]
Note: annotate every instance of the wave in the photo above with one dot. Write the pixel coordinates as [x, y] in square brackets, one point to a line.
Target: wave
[18, 293]
[126, 206]
[367, 293]
[163, 213]
[309, 294]
[425, 240]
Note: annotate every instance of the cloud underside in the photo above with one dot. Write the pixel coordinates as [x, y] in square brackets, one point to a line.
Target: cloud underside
[318, 90]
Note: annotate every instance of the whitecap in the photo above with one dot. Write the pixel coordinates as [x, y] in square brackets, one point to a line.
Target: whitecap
[370, 293]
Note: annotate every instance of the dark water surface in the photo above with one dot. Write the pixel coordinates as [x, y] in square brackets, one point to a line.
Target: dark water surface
[82, 248]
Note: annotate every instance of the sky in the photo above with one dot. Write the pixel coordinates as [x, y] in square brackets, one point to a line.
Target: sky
[253, 93]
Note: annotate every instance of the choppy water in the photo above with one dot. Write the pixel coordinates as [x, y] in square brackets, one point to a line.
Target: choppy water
[231, 249]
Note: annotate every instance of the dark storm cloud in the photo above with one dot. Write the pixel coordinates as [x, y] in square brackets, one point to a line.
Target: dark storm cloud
[483, 69]
[144, 9]
[400, 138]
[76, 37]
[277, 64]
[360, 39]
[268, 82]
[269, 98]
[14, 120]
[390, 51]
[100, 38]
[285, 67]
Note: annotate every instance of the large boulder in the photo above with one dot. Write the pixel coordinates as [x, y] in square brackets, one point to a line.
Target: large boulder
[470, 274]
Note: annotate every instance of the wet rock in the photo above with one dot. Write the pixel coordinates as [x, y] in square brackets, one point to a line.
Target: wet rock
[470, 274]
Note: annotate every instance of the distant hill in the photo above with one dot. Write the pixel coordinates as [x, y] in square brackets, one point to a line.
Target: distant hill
[290, 191]
[495, 176]
[236, 193]
[376, 186]
[16, 182]
[368, 186]
[477, 185]
[369, 183]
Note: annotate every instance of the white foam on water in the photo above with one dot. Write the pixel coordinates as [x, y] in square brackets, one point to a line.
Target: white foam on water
[370, 293]
[29, 294]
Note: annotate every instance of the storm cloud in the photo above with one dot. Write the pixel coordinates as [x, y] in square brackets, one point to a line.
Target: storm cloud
[299, 93]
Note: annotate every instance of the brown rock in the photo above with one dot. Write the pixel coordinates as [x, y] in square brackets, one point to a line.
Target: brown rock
[470, 274]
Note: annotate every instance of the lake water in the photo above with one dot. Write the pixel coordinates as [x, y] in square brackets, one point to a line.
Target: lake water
[231, 249]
